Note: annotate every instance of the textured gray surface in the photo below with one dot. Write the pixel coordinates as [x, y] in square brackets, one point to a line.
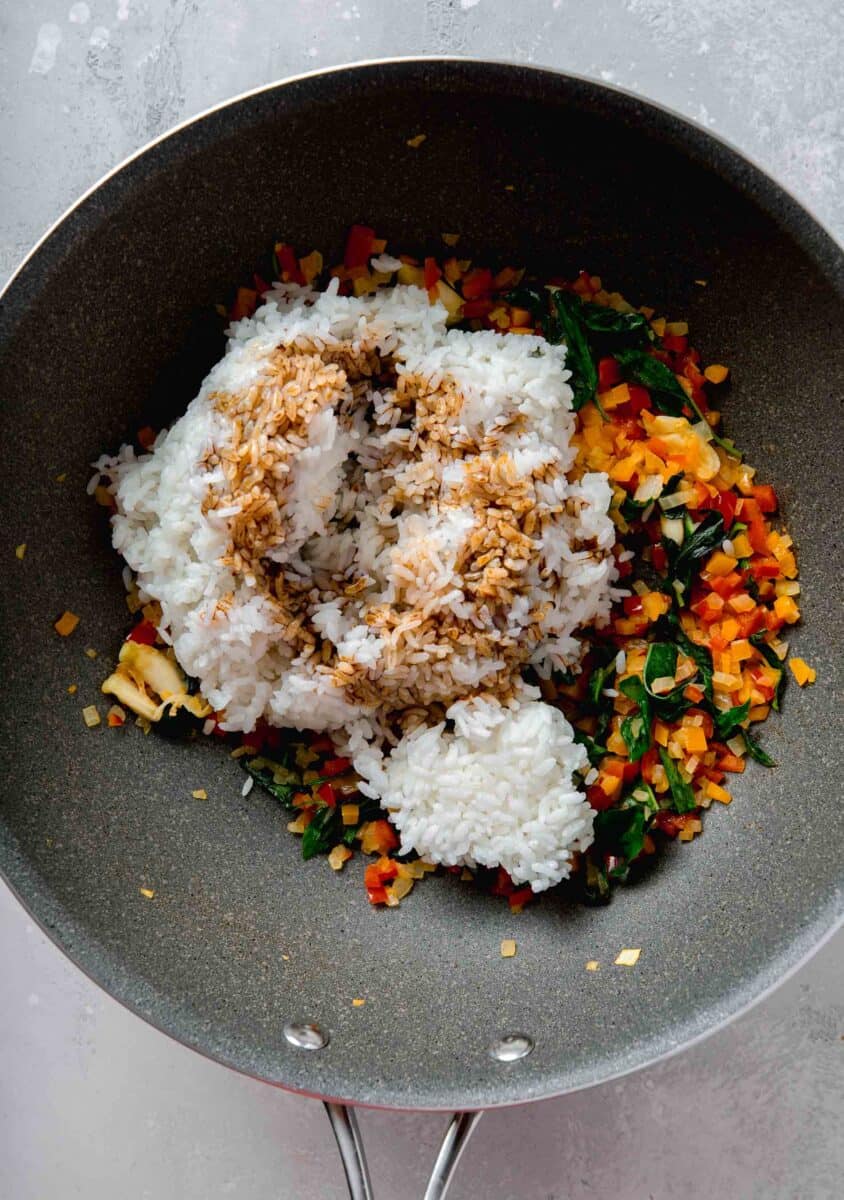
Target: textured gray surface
[762, 1086]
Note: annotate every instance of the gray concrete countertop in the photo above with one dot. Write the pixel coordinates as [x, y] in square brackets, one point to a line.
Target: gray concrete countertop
[94, 1103]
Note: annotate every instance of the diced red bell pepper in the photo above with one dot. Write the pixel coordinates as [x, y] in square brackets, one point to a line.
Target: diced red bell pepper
[691, 370]
[625, 422]
[327, 794]
[620, 768]
[335, 766]
[609, 373]
[477, 308]
[479, 282]
[757, 535]
[726, 585]
[667, 823]
[358, 246]
[659, 558]
[598, 798]
[732, 763]
[766, 498]
[725, 503]
[648, 761]
[321, 744]
[144, 632]
[675, 343]
[624, 568]
[431, 273]
[753, 621]
[376, 875]
[520, 897]
[653, 529]
[773, 623]
[244, 304]
[503, 885]
[640, 399]
[632, 604]
[387, 868]
[707, 612]
[261, 284]
[765, 568]
[288, 263]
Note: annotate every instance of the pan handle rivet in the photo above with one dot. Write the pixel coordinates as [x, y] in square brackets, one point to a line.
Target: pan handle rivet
[305, 1036]
[512, 1047]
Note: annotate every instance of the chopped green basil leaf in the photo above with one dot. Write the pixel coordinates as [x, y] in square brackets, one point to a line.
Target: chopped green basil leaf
[681, 791]
[700, 541]
[756, 751]
[661, 663]
[599, 319]
[264, 774]
[642, 795]
[579, 360]
[535, 300]
[693, 650]
[729, 721]
[322, 833]
[621, 831]
[594, 751]
[636, 732]
[667, 395]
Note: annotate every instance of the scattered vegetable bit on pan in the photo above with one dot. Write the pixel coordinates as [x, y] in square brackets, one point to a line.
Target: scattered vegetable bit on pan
[91, 716]
[66, 624]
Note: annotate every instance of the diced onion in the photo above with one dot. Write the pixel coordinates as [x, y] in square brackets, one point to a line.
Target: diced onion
[648, 489]
[664, 683]
[672, 529]
[683, 496]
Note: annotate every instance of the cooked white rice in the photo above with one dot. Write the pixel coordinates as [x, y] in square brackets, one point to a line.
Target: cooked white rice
[497, 791]
[363, 520]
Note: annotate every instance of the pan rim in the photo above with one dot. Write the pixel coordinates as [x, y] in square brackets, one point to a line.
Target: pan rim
[826, 920]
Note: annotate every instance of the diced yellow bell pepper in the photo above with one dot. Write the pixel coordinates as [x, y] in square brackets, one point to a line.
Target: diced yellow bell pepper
[716, 373]
[786, 609]
[802, 672]
[720, 563]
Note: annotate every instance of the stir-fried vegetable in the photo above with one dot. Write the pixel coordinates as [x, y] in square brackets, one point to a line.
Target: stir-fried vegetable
[665, 695]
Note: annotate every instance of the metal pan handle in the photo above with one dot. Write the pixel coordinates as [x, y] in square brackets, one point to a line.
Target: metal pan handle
[349, 1143]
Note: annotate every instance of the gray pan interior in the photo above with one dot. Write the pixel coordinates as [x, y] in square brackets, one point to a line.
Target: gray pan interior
[103, 331]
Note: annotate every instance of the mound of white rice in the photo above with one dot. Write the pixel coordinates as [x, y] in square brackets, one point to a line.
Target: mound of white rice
[365, 519]
[497, 791]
